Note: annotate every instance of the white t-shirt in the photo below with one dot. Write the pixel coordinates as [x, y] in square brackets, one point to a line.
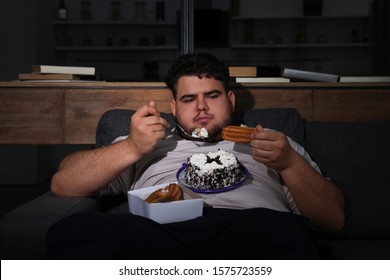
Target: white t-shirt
[262, 187]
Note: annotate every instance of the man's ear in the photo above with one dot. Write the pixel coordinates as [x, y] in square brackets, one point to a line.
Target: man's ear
[173, 107]
[232, 98]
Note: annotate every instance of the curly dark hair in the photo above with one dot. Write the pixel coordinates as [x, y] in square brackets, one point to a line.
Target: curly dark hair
[197, 64]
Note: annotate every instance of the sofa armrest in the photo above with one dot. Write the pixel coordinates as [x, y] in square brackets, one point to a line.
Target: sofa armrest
[23, 229]
[355, 156]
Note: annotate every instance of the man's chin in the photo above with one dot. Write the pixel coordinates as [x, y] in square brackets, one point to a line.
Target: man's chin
[215, 135]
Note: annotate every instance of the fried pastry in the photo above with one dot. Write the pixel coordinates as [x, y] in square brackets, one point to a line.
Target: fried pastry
[172, 192]
[238, 134]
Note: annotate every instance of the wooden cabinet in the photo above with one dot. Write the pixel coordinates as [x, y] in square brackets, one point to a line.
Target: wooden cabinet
[31, 116]
[351, 104]
[68, 113]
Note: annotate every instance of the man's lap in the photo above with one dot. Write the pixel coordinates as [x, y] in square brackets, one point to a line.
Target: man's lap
[218, 234]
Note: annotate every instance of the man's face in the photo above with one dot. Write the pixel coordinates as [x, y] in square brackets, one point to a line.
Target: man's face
[202, 103]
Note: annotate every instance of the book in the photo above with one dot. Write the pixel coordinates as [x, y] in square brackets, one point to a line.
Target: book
[60, 81]
[261, 80]
[39, 76]
[242, 71]
[54, 69]
[254, 71]
[284, 72]
[365, 79]
[301, 75]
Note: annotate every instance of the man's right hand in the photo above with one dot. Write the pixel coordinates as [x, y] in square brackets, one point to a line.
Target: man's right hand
[147, 128]
[86, 172]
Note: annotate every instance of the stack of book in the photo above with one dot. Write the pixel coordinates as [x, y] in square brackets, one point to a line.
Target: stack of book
[256, 74]
[276, 74]
[56, 73]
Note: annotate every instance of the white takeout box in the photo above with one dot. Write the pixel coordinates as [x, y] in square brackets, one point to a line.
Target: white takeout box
[165, 212]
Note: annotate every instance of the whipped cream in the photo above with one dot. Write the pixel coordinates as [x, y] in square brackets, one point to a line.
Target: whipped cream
[200, 133]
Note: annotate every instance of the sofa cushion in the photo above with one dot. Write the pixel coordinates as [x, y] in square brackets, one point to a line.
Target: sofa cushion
[354, 249]
[23, 229]
[356, 157]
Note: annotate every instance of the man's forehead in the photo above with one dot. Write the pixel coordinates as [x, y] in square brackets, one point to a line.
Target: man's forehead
[192, 85]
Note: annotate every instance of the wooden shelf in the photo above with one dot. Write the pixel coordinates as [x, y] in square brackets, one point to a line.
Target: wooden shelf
[300, 46]
[68, 113]
[118, 48]
[299, 18]
[124, 23]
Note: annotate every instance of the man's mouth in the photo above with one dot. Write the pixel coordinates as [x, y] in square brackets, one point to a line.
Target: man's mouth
[203, 120]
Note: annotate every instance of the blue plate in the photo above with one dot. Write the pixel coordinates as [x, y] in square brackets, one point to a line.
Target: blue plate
[181, 179]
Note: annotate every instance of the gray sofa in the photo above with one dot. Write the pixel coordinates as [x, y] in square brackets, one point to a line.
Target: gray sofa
[355, 155]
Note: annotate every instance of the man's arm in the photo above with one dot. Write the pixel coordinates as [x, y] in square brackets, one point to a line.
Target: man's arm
[86, 172]
[317, 198]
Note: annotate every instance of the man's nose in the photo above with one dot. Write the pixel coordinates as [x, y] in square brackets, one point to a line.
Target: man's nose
[202, 104]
